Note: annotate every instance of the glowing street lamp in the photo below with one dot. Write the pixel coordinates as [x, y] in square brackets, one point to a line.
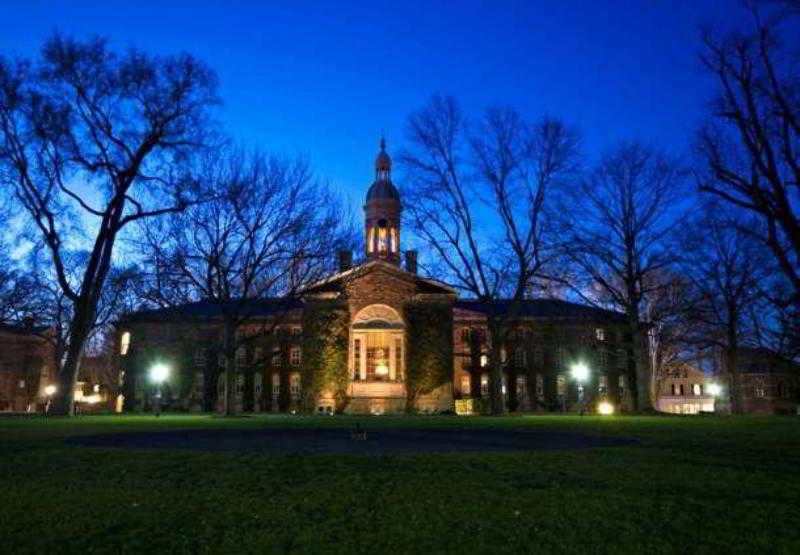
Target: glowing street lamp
[605, 408]
[580, 373]
[158, 373]
[49, 391]
[715, 389]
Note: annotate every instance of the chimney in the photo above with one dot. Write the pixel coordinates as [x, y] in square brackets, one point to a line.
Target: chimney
[345, 260]
[411, 261]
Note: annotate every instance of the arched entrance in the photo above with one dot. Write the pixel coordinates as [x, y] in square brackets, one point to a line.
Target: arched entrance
[377, 345]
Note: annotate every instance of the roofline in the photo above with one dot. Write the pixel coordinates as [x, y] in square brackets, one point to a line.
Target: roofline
[382, 263]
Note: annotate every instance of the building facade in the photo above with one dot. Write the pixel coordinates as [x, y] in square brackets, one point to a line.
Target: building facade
[377, 337]
[768, 383]
[685, 390]
[26, 366]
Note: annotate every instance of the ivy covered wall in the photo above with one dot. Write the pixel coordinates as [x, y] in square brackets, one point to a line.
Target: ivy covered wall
[429, 348]
[325, 337]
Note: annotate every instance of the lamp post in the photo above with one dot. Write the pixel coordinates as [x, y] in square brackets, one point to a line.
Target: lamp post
[158, 373]
[580, 373]
[49, 391]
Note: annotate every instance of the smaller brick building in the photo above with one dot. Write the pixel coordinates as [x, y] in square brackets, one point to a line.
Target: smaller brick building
[685, 390]
[26, 366]
[768, 383]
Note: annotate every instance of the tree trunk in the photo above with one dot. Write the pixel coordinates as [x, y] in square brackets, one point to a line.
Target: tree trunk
[731, 377]
[644, 399]
[229, 348]
[64, 400]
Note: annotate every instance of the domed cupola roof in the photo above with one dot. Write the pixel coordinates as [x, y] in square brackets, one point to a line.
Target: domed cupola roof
[382, 187]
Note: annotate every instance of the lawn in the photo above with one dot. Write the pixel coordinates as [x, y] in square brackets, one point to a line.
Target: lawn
[702, 485]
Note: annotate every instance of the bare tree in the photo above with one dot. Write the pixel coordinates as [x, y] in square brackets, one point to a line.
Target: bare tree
[729, 271]
[270, 230]
[93, 140]
[619, 223]
[750, 146]
[465, 181]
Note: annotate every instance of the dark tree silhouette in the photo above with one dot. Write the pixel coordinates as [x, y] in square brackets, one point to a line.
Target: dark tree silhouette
[618, 223]
[505, 166]
[270, 230]
[91, 141]
[750, 146]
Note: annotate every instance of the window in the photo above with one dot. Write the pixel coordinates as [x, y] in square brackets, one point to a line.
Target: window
[294, 356]
[276, 384]
[761, 391]
[697, 389]
[258, 354]
[623, 383]
[484, 385]
[294, 385]
[257, 385]
[539, 386]
[519, 357]
[674, 389]
[561, 384]
[465, 385]
[602, 384]
[241, 355]
[297, 330]
[276, 358]
[465, 335]
[600, 334]
[538, 356]
[239, 383]
[484, 361]
[124, 343]
[503, 355]
[522, 387]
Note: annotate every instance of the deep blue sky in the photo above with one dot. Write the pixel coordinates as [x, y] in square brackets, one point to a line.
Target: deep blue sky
[324, 79]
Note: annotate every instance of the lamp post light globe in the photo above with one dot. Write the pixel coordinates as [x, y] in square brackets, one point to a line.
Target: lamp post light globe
[714, 389]
[158, 373]
[50, 390]
[580, 372]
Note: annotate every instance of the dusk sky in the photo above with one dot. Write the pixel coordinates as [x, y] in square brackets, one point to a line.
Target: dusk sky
[324, 79]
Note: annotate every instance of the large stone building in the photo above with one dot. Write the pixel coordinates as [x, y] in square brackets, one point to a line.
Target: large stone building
[377, 337]
[768, 383]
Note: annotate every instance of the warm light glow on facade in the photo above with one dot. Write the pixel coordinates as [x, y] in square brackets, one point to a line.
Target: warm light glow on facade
[605, 408]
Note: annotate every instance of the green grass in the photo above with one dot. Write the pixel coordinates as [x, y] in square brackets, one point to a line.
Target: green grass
[701, 485]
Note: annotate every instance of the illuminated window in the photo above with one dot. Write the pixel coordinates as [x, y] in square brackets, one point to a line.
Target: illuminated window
[465, 385]
[561, 384]
[276, 358]
[522, 387]
[124, 343]
[484, 361]
[294, 385]
[761, 391]
[600, 334]
[484, 385]
[697, 389]
[602, 385]
[395, 241]
[295, 356]
[276, 384]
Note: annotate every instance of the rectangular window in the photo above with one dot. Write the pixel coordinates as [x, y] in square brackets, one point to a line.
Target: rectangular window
[295, 356]
[600, 334]
[239, 383]
[522, 387]
[294, 385]
[484, 385]
[124, 343]
[465, 385]
[697, 389]
[519, 357]
[561, 384]
[276, 384]
[276, 358]
[539, 386]
[241, 355]
[761, 391]
[602, 384]
[484, 361]
[674, 389]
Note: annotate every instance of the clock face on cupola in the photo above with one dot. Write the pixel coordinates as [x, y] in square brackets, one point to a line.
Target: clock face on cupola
[382, 213]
